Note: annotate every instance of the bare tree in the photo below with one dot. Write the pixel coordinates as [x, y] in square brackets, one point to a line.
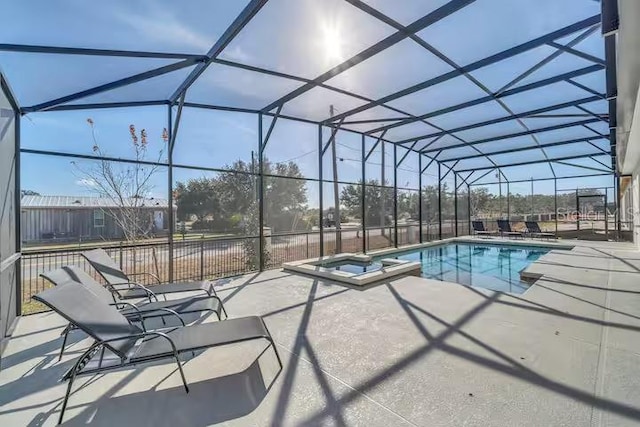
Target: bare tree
[126, 185]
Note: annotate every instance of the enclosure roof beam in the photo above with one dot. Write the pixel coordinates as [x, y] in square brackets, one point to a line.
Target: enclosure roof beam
[450, 169]
[564, 116]
[422, 23]
[547, 59]
[249, 11]
[433, 159]
[424, 149]
[576, 52]
[280, 74]
[591, 113]
[505, 119]
[465, 180]
[603, 151]
[481, 176]
[322, 85]
[91, 157]
[94, 106]
[553, 178]
[263, 144]
[363, 122]
[532, 162]
[586, 88]
[176, 125]
[520, 89]
[530, 147]
[603, 164]
[517, 134]
[4, 86]
[476, 65]
[406, 154]
[595, 131]
[334, 131]
[113, 85]
[431, 49]
[374, 146]
[253, 111]
[584, 167]
[8, 47]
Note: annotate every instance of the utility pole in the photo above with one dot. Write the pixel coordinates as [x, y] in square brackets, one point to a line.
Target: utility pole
[336, 194]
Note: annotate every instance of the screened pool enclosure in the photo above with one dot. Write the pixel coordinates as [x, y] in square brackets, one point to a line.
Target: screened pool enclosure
[259, 132]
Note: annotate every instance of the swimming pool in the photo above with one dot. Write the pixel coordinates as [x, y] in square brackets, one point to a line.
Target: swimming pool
[495, 267]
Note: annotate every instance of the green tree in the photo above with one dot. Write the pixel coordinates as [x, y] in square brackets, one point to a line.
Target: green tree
[377, 213]
[231, 200]
[285, 199]
[408, 205]
[197, 197]
[430, 203]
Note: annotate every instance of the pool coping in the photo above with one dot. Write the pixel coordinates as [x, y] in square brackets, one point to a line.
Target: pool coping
[391, 268]
[472, 240]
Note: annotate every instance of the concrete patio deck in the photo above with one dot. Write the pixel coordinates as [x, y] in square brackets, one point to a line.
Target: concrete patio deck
[404, 353]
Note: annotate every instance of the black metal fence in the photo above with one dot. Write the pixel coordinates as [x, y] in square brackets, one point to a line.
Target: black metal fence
[196, 259]
[208, 258]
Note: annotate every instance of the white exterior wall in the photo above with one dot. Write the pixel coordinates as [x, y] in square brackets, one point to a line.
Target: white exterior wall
[628, 106]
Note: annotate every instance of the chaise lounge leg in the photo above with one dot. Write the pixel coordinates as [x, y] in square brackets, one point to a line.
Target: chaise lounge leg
[184, 380]
[86, 356]
[66, 399]
[275, 350]
[213, 293]
[273, 344]
[223, 309]
[65, 334]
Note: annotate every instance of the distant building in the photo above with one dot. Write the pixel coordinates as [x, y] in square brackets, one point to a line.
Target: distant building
[68, 218]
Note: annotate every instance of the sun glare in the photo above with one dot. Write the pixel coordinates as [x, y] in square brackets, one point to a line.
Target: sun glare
[332, 43]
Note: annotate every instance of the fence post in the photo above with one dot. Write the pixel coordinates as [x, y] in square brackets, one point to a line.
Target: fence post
[202, 258]
[307, 236]
[120, 255]
[155, 260]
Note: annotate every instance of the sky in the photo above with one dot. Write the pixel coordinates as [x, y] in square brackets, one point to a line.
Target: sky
[303, 38]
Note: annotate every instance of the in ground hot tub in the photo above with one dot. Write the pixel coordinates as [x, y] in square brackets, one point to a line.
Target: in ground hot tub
[354, 269]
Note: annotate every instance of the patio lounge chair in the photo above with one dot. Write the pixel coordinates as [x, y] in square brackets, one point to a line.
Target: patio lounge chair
[121, 283]
[534, 230]
[139, 311]
[479, 230]
[505, 229]
[133, 345]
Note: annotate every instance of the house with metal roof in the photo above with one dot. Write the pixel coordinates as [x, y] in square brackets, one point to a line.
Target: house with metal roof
[45, 219]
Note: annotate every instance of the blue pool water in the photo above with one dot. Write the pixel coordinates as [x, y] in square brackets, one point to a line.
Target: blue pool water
[352, 267]
[495, 267]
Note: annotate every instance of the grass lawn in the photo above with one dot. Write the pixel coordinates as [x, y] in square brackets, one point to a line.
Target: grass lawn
[106, 244]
